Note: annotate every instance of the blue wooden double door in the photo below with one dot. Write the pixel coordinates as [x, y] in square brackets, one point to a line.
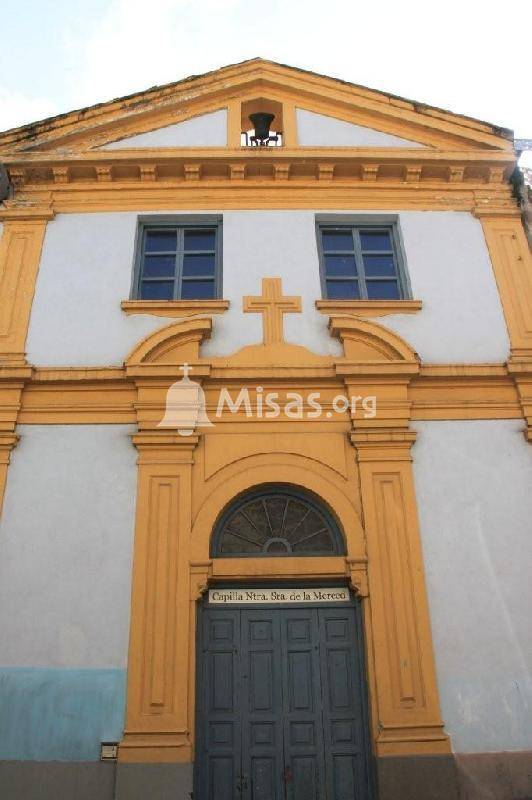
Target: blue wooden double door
[281, 711]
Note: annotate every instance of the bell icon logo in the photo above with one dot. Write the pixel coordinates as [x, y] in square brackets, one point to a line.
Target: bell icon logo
[185, 406]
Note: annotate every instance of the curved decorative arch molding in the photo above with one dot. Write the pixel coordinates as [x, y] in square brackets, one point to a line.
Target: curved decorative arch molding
[173, 344]
[368, 341]
[308, 474]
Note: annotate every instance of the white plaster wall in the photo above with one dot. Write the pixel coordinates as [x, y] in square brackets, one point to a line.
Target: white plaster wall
[448, 265]
[450, 271]
[86, 271]
[473, 484]
[207, 130]
[66, 542]
[318, 130]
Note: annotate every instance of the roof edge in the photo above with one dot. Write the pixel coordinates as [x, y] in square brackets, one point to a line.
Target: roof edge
[34, 129]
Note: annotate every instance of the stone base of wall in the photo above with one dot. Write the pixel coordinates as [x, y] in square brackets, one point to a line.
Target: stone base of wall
[417, 778]
[57, 780]
[153, 781]
[495, 776]
[478, 776]
[471, 776]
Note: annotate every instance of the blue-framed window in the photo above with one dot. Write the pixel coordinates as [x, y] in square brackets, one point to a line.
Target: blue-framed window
[179, 260]
[361, 261]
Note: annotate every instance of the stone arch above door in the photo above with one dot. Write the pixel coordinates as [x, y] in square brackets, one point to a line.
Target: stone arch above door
[311, 477]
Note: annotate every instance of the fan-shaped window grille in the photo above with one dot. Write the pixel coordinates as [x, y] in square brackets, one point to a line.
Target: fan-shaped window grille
[277, 521]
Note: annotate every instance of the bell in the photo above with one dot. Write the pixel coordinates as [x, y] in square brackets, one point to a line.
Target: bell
[261, 122]
[185, 407]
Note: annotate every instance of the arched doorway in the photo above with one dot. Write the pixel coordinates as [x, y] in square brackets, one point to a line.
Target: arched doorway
[281, 708]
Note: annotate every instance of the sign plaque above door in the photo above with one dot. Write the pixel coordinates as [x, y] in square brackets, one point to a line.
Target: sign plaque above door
[330, 594]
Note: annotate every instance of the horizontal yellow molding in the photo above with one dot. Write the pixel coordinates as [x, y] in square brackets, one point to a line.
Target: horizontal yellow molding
[245, 568]
[368, 308]
[174, 308]
[258, 193]
[106, 395]
[235, 167]
[51, 158]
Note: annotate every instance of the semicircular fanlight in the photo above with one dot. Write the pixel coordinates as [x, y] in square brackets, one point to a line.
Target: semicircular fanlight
[277, 521]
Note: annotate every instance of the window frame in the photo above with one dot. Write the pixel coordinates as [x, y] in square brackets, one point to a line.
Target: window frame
[181, 222]
[389, 222]
[287, 490]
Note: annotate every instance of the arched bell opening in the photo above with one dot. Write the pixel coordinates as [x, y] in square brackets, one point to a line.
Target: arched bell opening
[279, 520]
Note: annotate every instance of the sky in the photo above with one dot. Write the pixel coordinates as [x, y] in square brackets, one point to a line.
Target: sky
[463, 55]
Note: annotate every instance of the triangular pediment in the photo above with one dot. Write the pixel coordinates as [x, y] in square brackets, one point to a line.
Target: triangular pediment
[205, 130]
[173, 115]
[320, 130]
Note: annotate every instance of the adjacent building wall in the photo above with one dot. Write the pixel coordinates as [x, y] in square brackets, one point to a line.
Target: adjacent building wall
[473, 484]
[66, 543]
[86, 271]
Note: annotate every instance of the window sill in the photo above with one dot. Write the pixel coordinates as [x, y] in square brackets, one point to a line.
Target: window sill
[368, 308]
[174, 308]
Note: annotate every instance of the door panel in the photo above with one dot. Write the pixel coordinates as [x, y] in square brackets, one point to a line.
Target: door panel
[343, 717]
[303, 734]
[281, 711]
[219, 740]
[262, 754]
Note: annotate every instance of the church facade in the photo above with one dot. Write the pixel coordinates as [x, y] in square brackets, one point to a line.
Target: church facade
[265, 448]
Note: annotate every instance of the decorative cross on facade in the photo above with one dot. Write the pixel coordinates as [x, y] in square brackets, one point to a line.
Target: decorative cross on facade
[272, 305]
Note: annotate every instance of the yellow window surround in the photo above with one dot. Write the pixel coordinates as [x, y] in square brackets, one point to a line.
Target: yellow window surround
[174, 308]
[187, 308]
[368, 308]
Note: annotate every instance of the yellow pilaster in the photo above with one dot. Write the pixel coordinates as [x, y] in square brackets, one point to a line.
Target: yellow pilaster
[406, 702]
[7, 442]
[157, 718]
[20, 253]
[512, 265]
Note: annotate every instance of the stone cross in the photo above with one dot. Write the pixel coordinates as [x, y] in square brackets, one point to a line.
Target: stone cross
[272, 304]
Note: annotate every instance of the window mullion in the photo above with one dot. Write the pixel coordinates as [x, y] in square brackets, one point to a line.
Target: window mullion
[140, 275]
[180, 248]
[359, 261]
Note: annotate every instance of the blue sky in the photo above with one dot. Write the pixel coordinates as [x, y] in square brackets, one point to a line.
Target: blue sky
[56, 55]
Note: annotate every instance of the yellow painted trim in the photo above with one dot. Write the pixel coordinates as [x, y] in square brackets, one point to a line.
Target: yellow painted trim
[7, 442]
[484, 171]
[159, 348]
[257, 78]
[407, 696]
[20, 252]
[368, 308]
[12, 381]
[107, 395]
[184, 483]
[225, 193]
[512, 265]
[174, 308]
